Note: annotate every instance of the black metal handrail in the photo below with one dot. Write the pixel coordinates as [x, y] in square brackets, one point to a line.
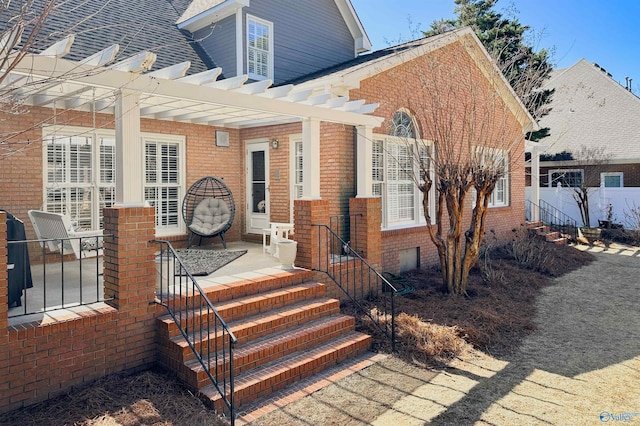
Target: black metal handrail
[357, 279]
[204, 330]
[557, 220]
[45, 281]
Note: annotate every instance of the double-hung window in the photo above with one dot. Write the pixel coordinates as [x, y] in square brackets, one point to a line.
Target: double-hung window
[500, 195]
[395, 173]
[398, 161]
[163, 181]
[79, 174]
[497, 159]
[259, 48]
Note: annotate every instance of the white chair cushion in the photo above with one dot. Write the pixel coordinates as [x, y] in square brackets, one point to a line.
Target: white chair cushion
[211, 215]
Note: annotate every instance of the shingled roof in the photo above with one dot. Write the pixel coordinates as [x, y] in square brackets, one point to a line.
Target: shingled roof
[590, 108]
[359, 60]
[134, 25]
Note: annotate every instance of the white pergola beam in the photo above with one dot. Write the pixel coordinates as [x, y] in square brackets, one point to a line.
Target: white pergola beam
[61, 48]
[102, 57]
[138, 63]
[336, 102]
[202, 77]
[368, 109]
[317, 99]
[277, 92]
[171, 72]
[254, 88]
[157, 109]
[156, 89]
[352, 105]
[228, 83]
[72, 96]
[10, 39]
[299, 96]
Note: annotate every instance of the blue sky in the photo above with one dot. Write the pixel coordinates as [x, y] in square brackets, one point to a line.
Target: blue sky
[605, 32]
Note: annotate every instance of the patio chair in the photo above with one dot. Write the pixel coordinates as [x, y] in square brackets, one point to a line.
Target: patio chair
[208, 209]
[60, 235]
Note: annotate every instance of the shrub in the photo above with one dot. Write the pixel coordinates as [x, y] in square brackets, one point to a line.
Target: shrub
[529, 250]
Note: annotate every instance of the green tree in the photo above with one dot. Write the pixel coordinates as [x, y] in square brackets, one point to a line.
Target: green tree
[505, 38]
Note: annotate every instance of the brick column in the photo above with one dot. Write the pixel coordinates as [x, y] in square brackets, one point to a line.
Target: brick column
[366, 237]
[4, 280]
[312, 244]
[129, 267]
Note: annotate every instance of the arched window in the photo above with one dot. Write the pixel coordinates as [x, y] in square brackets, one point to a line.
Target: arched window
[402, 125]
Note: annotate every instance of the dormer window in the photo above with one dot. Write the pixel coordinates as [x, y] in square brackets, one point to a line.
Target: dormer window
[259, 48]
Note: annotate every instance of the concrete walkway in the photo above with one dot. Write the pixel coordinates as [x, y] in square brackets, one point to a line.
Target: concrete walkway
[582, 366]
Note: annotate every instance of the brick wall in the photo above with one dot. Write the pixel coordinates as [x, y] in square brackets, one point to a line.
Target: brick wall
[631, 173]
[45, 357]
[406, 86]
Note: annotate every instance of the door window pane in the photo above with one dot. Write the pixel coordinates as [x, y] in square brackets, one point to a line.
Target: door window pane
[258, 183]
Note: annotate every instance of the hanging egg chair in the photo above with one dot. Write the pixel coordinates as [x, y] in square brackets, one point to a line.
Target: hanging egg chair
[208, 209]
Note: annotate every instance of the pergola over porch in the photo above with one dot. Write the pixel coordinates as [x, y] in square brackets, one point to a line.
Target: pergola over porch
[129, 92]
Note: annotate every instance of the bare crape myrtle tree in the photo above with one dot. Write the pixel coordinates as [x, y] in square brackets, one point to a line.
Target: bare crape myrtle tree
[471, 126]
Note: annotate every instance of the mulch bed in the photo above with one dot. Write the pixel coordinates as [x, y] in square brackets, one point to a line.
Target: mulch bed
[146, 398]
[493, 317]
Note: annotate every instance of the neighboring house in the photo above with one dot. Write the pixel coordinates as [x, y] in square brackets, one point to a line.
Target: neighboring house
[590, 112]
[324, 138]
[590, 109]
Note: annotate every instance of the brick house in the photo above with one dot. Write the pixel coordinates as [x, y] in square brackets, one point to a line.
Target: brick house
[95, 137]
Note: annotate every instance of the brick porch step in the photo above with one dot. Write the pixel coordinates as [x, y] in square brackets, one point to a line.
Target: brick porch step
[257, 326]
[278, 374]
[544, 231]
[275, 346]
[287, 329]
[551, 236]
[242, 307]
[247, 287]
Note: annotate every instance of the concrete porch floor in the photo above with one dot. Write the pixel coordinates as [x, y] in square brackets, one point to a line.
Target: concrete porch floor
[49, 307]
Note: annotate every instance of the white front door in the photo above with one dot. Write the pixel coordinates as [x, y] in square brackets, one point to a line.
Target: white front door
[257, 187]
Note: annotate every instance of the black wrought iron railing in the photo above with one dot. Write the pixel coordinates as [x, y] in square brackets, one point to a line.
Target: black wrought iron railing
[41, 280]
[554, 218]
[204, 330]
[366, 288]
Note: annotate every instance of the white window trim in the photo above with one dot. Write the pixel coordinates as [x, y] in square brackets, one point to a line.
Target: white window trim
[505, 179]
[270, 52]
[73, 131]
[419, 219]
[293, 195]
[181, 141]
[552, 171]
[605, 174]
[482, 151]
[96, 134]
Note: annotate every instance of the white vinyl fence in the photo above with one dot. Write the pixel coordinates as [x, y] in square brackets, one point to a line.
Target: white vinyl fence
[621, 199]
